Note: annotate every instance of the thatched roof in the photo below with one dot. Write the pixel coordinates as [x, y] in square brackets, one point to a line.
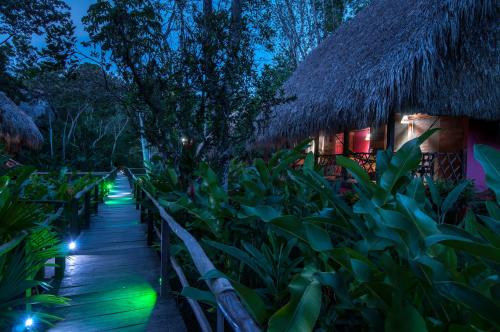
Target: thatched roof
[16, 127]
[438, 57]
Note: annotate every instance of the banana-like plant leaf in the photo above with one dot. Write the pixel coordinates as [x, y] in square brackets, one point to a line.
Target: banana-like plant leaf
[318, 237]
[425, 224]
[489, 158]
[302, 311]
[264, 212]
[493, 224]
[309, 161]
[471, 298]
[406, 159]
[264, 173]
[250, 298]
[404, 318]
[465, 244]
[451, 198]
[199, 295]
[357, 172]
[236, 253]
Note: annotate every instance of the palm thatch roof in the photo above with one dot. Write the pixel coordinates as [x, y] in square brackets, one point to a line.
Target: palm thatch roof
[16, 127]
[438, 57]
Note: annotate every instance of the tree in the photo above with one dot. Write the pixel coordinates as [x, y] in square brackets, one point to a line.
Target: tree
[87, 115]
[20, 20]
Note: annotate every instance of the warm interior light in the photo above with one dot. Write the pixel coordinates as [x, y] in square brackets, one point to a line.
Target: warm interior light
[28, 322]
[405, 119]
[184, 140]
[368, 137]
[72, 245]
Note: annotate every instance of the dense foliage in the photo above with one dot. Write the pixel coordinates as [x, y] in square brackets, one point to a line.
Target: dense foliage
[28, 240]
[303, 257]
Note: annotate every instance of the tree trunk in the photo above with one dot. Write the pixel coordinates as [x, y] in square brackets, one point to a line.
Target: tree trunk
[51, 141]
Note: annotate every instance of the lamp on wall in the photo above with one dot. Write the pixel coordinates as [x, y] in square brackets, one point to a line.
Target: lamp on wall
[368, 137]
[405, 119]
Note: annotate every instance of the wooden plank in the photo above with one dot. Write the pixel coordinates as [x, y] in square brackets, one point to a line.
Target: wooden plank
[113, 277]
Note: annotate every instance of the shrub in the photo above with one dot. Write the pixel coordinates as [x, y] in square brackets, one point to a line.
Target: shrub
[296, 251]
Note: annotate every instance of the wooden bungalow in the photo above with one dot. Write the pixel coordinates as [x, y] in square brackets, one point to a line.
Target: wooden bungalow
[16, 127]
[396, 69]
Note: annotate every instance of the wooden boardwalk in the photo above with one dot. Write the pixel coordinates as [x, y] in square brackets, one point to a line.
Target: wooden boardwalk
[113, 277]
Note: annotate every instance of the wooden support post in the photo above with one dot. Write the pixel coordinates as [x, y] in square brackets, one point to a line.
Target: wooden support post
[142, 211]
[390, 132]
[86, 208]
[71, 216]
[149, 220]
[220, 320]
[316, 149]
[96, 198]
[345, 152]
[60, 262]
[102, 184]
[137, 191]
[165, 259]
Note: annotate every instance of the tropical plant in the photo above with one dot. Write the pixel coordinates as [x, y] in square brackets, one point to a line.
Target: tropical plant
[26, 244]
[389, 261]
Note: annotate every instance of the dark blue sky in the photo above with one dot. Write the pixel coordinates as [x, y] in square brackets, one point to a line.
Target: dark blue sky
[79, 10]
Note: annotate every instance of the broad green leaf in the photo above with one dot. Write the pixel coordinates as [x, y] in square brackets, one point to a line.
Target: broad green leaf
[309, 161]
[264, 212]
[199, 295]
[357, 172]
[383, 160]
[492, 224]
[493, 210]
[489, 158]
[406, 159]
[470, 298]
[250, 298]
[302, 311]
[6, 247]
[404, 318]
[292, 226]
[318, 237]
[236, 253]
[362, 271]
[465, 244]
[451, 198]
[261, 167]
[436, 197]
[416, 190]
[425, 224]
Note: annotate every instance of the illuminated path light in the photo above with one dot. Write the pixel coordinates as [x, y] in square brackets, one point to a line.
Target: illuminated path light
[28, 322]
[112, 279]
[72, 245]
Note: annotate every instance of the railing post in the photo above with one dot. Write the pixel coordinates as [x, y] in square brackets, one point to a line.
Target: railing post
[220, 320]
[150, 230]
[165, 259]
[96, 198]
[86, 208]
[142, 211]
[137, 193]
[60, 262]
[71, 216]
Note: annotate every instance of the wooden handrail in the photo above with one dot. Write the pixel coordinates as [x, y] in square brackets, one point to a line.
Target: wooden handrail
[227, 299]
[92, 185]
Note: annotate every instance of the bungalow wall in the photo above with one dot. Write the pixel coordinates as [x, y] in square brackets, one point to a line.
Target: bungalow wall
[480, 132]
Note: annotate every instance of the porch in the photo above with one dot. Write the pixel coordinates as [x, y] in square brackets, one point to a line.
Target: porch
[444, 155]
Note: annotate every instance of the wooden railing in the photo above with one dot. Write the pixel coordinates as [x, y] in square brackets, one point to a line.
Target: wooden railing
[229, 306]
[70, 215]
[437, 165]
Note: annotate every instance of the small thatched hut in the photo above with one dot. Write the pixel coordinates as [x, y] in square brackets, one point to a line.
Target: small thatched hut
[391, 72]
[16, 127]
